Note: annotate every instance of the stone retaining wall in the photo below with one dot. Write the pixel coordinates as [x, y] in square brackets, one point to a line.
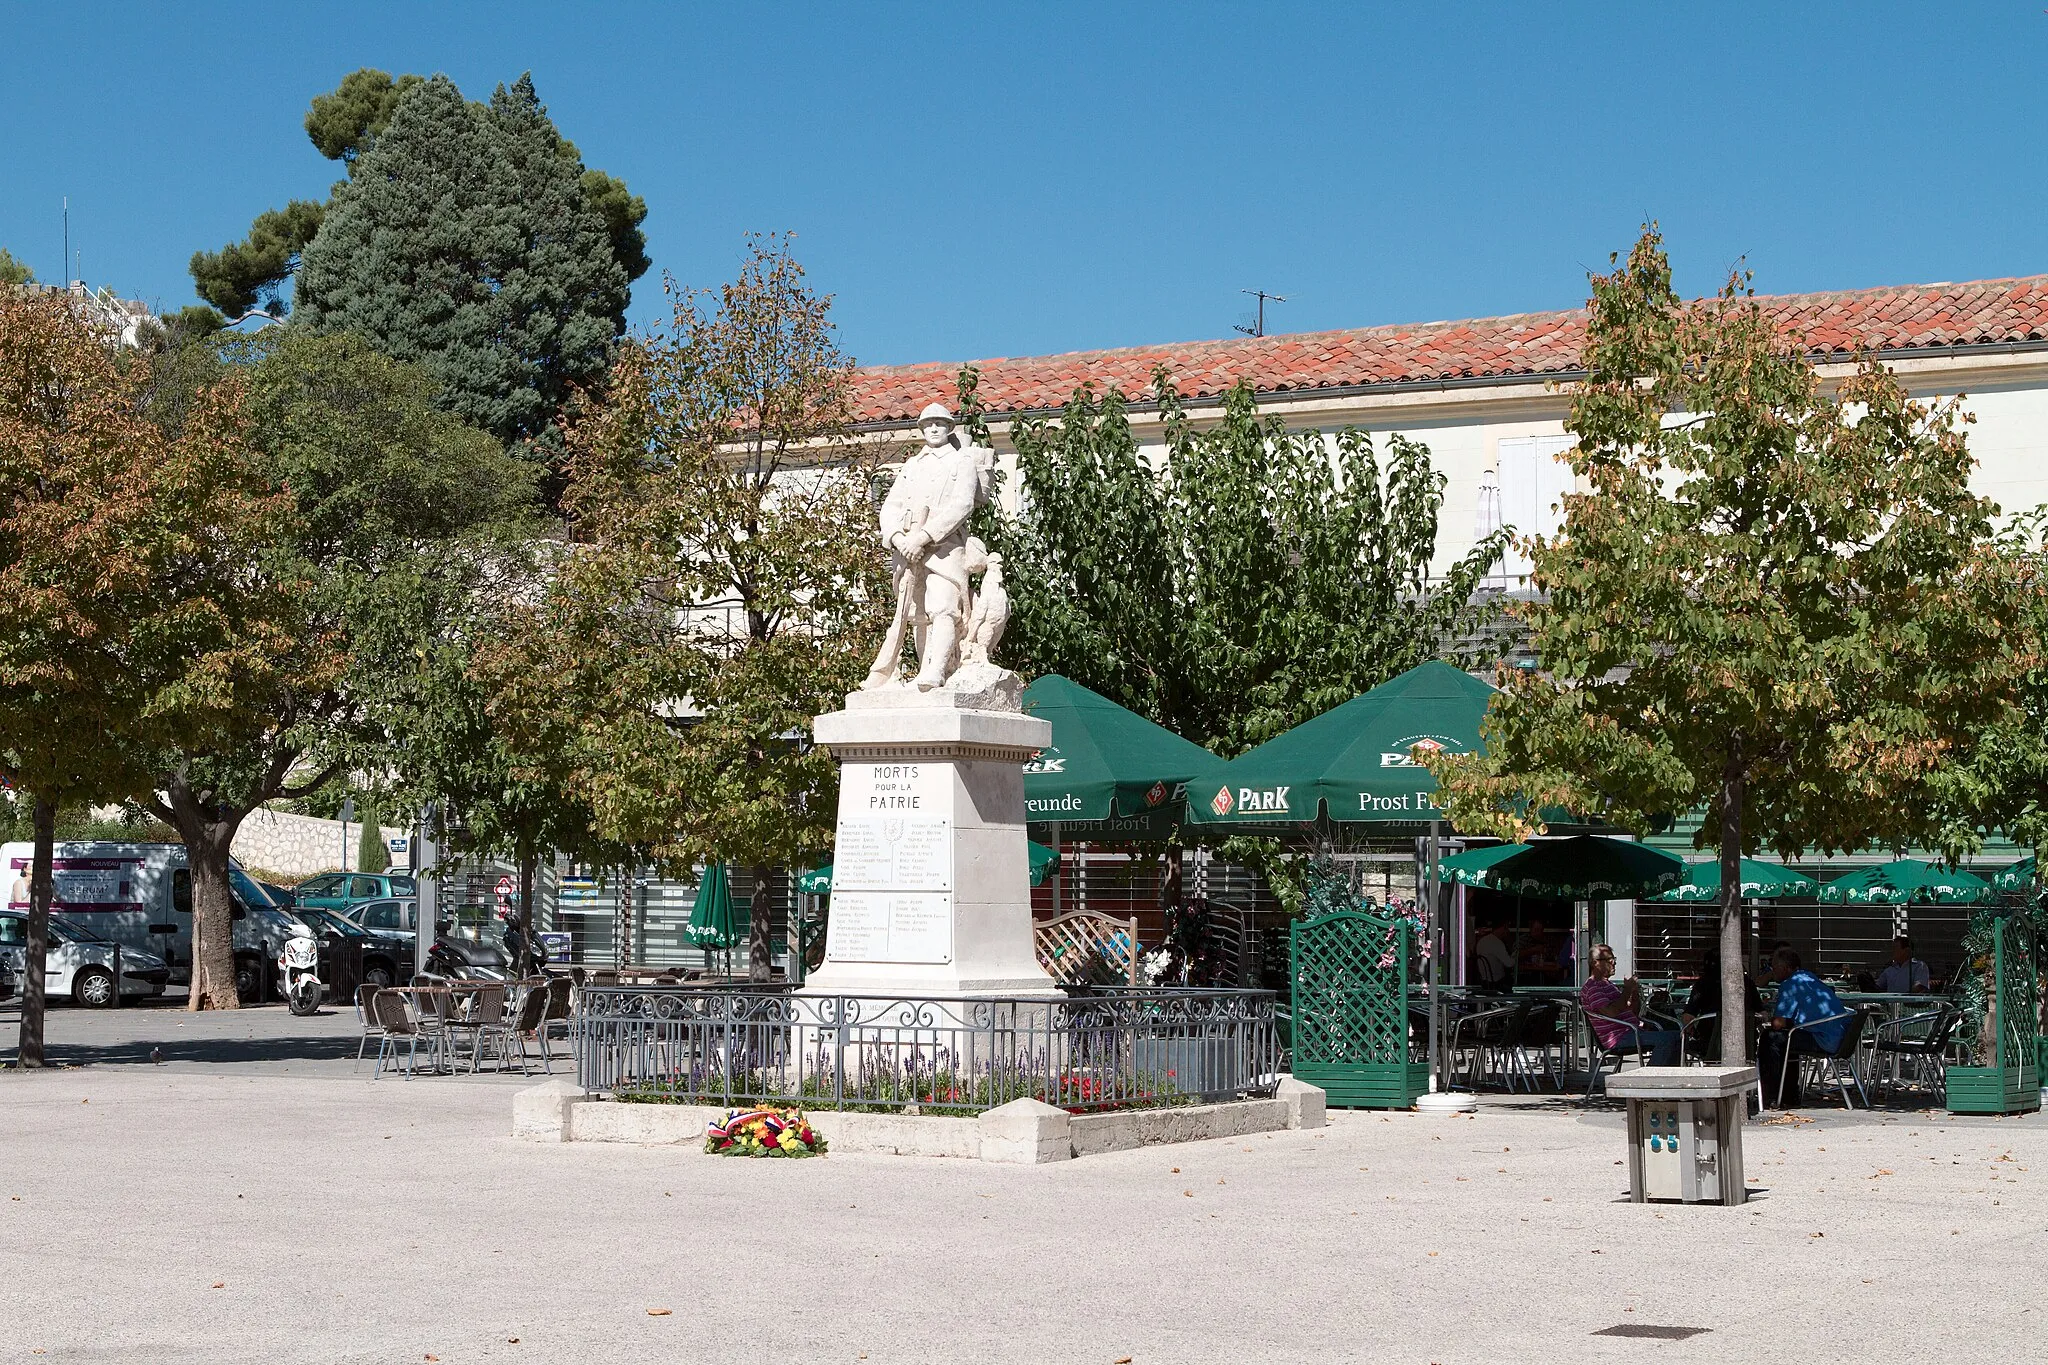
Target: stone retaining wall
[296, 846]
[1022, 1132]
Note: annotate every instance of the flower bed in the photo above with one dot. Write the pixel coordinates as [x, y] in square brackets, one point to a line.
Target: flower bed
[931, 1092]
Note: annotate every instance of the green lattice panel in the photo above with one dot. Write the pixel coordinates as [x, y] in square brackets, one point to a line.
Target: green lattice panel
[1350, 980]
[2011, 1084]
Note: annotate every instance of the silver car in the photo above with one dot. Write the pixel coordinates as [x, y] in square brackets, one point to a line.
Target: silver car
[81, 965]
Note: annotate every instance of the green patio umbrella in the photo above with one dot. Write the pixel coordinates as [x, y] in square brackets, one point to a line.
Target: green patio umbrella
[1354, 762]
[711, 918]
[1760, 881]
[1583, 867]
[2019, 877]
[1105, 761]
[818, 881]
[1904, 882]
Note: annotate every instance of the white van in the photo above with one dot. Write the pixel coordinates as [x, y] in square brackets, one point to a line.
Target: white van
[140, 896]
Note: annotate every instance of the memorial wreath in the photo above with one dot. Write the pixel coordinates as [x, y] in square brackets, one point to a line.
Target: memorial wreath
[763, 1132]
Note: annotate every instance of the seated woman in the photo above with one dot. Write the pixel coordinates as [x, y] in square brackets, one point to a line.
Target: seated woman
[1615, 1011]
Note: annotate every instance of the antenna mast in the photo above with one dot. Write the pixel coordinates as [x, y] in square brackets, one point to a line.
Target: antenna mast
[1258, 327]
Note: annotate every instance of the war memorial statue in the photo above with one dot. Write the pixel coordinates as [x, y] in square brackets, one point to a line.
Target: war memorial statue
[933, 561]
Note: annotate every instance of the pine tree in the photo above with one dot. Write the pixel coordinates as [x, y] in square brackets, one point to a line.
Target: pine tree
[463, 241]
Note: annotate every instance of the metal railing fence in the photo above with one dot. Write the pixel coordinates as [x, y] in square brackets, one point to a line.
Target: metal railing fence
[1105, 1049]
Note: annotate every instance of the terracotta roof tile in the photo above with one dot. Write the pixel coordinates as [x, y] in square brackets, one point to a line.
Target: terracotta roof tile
[1975, 313]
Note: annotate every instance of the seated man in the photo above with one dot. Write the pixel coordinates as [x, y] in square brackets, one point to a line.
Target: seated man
[1803, 998]
[1615, 1011]
[1907, 974]
[1492, 961]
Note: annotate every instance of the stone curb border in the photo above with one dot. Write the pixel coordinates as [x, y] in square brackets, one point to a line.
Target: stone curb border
[1020, 1133]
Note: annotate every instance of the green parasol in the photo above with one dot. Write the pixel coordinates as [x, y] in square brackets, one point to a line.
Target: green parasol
[1583, 867]
[2019, 877]
[1905, 882]
[1105, 761]
[1760, 881]
[818, 881]
[711, 918]
[1354, 761]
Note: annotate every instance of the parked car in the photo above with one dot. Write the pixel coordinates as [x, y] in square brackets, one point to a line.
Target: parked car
[386, 958]
[340, 890]
[396, 918]
[6, 975]
[80, 965]
[139, 895]
[281, 896]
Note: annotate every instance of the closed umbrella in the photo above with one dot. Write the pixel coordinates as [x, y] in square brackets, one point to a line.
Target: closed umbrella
[712, 925]
[1585, 867]
[1760, 881]
[1906, 881]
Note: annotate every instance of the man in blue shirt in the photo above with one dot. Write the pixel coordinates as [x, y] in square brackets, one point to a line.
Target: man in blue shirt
[1803, 998]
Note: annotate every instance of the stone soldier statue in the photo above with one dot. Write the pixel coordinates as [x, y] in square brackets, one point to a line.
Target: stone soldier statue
[924, 524]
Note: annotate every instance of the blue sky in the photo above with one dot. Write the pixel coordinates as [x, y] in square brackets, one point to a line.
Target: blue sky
[978, 180]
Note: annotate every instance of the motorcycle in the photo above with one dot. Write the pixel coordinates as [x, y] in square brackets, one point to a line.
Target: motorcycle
[298, 974]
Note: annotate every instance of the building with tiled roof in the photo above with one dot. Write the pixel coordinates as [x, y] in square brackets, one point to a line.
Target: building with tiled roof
[1487, 394]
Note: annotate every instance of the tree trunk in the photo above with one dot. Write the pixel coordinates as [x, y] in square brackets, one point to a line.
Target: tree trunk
[35, 958]
[527, 858]
[213, 916]
[1734, 998]
[760, 965]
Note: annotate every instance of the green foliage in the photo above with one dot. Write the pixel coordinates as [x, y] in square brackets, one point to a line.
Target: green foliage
[1259, 578]
[371, 855]
[382, 488]
[1778, 602]
[243, 276]
[463, 242]
[345, 125]
[13, 271]
[623, 212]
[346, 120]
[78, 822]
[715, 562]
[124, 599]
[1772, 599]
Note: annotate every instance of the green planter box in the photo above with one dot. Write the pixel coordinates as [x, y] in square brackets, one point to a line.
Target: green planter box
[1994, 1089]
[1375, 1085]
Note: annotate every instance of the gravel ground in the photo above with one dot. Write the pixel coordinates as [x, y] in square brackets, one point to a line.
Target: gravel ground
[239, 1211]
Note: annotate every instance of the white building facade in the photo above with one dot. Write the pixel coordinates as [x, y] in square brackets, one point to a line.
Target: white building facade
[1490, 396]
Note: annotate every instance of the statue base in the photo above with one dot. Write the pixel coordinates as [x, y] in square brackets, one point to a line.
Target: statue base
[931, 881]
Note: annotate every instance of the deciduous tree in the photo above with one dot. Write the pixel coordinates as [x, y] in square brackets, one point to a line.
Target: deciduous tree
[725, 586]
[1774, 599]
[380, 484]
[1251, 579]
[124, 613]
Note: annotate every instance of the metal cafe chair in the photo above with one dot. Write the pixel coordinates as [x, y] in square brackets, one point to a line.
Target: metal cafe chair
[1599, 1053]
[1918, 1041]
[1839, 1062]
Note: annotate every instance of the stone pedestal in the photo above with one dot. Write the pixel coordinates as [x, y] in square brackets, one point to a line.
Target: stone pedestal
[931, 881]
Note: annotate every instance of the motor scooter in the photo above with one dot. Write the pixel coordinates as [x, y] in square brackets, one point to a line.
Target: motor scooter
[298, 974]
[468, 960]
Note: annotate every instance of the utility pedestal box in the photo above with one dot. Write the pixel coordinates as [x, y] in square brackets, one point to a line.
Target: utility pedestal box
[1685, 1131]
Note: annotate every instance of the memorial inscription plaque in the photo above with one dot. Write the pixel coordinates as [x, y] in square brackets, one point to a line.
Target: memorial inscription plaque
[892, 871]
